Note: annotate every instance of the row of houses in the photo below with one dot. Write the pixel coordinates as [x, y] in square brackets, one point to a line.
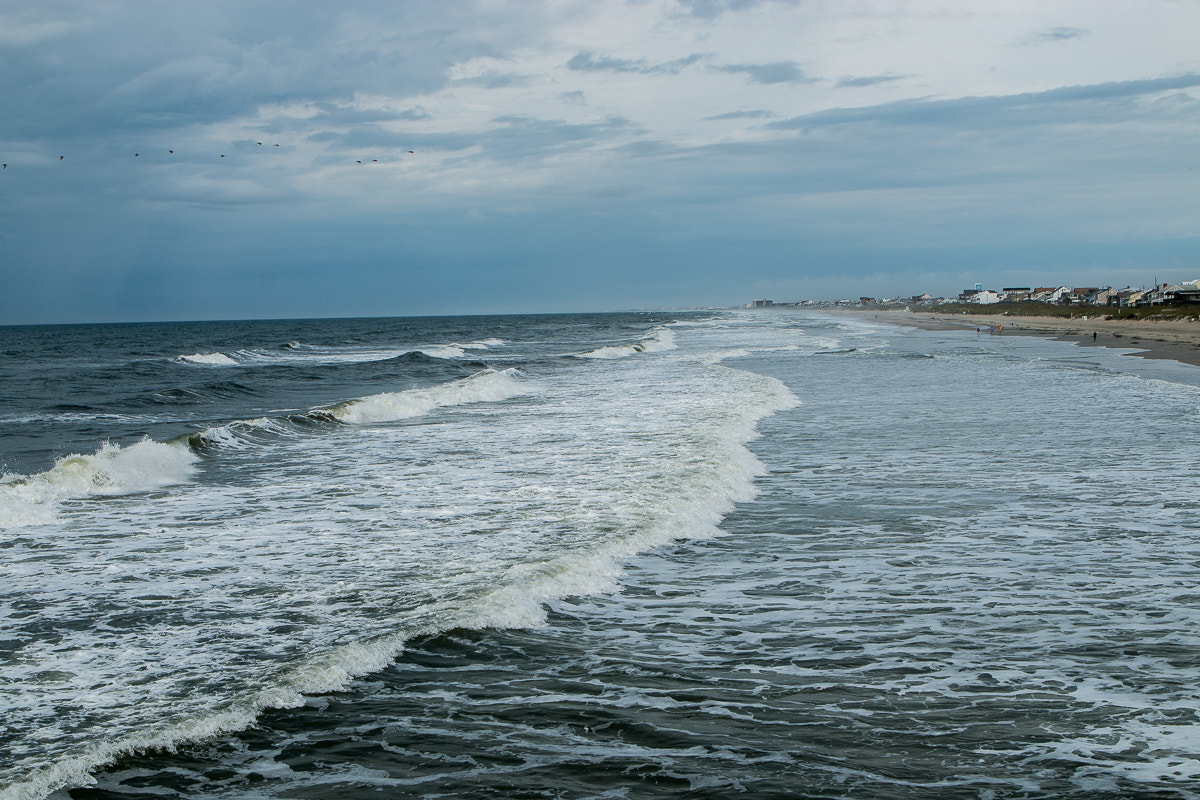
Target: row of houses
[1167, 293]
[1163, 294]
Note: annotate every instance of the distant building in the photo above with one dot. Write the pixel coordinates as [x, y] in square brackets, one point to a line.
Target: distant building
[762, 303]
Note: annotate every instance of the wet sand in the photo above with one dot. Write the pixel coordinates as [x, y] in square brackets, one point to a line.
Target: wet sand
[1170, 339]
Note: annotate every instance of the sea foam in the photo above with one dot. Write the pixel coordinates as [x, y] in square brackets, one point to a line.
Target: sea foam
[486, 386]
[660, 340]
[111, 470]
[208, 360]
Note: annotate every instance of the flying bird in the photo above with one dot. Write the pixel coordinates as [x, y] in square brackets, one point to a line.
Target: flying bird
[222, 155]
[135, 155]
[60, 158]
[260, 144]
[5, 166]
[410, 152]
[172, 152]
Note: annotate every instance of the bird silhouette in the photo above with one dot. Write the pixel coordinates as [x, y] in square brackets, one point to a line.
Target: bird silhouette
[260, 144]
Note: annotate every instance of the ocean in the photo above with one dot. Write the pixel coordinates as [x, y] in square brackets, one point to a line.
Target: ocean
[697, 554]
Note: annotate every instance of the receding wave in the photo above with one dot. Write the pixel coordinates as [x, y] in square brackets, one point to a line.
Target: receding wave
[111, 470]
[660, 339]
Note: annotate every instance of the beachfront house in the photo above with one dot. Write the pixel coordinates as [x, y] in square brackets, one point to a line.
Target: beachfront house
[1188, 292]
[1082, 295]
[985, 297]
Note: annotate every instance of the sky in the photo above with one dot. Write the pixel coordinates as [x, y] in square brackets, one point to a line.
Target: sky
[234, 160]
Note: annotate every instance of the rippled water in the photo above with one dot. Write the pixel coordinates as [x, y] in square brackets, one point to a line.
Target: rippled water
[971, 571]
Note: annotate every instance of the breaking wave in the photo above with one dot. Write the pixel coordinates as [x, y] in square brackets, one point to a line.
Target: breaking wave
[298, 353]
[208, 360]
[487, 386]
[659, 340]
[110, 471]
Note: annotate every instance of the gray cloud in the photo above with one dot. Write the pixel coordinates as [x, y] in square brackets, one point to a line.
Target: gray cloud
[494, 79]
[1000, 111]
[867, 80]
[711, 9]
[756, 114]
[588, 62]
[773, 72]
[1050, 35]
[197, 64]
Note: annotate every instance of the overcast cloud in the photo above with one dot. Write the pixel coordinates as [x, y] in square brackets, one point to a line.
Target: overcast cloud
[471, 157]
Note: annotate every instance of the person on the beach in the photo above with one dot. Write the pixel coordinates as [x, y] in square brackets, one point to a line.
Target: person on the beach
[1093, 336]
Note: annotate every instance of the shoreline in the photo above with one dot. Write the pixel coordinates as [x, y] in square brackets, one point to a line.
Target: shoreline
[1172, 340]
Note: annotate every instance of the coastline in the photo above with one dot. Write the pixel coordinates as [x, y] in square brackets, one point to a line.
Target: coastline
[1174, 340]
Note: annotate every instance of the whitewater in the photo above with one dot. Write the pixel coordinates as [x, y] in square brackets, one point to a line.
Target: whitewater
[700, 553]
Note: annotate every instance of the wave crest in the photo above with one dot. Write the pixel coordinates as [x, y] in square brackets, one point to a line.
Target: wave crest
[208, 360]
[659, 340]
[487, 386]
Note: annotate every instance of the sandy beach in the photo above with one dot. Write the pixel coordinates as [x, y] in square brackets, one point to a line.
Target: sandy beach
[1170, 339]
